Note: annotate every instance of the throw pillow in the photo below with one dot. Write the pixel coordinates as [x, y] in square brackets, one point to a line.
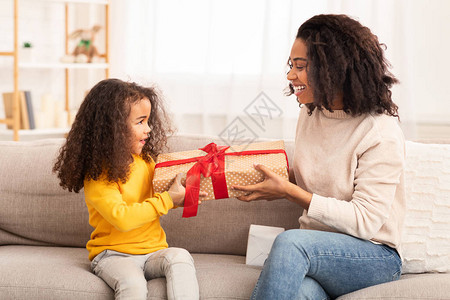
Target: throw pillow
[426, 231]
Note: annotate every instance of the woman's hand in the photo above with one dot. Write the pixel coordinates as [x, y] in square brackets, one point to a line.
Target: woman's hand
[177, 191]
[273, 187]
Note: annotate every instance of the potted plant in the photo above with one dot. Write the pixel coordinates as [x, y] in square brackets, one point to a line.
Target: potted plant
[26, 52]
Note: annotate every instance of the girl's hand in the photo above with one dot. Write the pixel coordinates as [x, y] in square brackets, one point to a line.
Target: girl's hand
[177, 191]
[273, 187]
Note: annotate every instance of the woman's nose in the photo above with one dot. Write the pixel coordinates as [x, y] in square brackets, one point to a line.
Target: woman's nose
[290, 75]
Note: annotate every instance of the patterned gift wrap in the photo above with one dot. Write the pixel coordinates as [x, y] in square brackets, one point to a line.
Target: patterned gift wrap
[214, 169]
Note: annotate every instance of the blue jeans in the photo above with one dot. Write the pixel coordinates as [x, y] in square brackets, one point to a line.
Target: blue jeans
[309, 264]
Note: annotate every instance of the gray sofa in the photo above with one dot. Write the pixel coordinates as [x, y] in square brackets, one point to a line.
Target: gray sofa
[44, 229]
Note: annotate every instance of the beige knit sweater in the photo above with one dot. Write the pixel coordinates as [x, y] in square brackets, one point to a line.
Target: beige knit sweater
[354, 166]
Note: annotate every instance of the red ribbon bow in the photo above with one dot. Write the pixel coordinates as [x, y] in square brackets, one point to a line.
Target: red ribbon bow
[212, 164]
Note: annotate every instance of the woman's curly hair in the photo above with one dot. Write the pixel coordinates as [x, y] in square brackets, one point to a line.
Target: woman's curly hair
[99, 140]
[346, 57]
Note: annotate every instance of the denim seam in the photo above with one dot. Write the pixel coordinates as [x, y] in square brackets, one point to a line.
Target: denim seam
[349, 256]
[255, 290]
[391, 256]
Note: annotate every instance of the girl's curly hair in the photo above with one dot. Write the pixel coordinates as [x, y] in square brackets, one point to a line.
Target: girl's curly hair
[99, 140]
[345, 56]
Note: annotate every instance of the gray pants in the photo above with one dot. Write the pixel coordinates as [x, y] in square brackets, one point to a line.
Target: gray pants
[127, 274]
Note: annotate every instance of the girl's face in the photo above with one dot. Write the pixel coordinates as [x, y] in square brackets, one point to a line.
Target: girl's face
[297, 75]
[138, 122]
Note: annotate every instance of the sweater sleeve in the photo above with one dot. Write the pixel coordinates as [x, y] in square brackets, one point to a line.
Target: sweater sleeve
[376, 179]
[107, 200]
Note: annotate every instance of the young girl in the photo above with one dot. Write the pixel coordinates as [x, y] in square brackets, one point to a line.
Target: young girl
[119, 128]
[348, 166]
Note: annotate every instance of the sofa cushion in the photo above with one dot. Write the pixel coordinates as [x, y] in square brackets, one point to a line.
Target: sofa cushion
[426, 232]
[409, 286]
[64, 273]
[39, 272]
[32, 272]
[35, 210]
[219, 277]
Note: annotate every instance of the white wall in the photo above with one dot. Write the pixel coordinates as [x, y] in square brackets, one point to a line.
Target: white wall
[423, 68]
[418, 56]
[430, 63]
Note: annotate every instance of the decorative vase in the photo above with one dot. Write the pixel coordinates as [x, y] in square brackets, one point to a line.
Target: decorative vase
[26, 55]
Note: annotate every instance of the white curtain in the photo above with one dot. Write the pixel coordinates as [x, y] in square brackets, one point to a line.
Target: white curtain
[221, 65]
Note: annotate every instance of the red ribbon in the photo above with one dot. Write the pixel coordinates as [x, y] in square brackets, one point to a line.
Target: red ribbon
[212, 164]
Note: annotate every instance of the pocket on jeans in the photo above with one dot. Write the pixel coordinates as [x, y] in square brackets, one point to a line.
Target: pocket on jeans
[97, 259]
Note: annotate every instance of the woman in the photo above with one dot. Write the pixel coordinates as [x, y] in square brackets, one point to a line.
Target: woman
[348, 166]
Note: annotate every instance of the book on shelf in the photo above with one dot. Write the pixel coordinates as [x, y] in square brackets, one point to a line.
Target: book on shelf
[25, 123]
[30, 110]
[26, 112]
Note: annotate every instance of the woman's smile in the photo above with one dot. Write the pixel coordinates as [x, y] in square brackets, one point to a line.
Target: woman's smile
[298, 89]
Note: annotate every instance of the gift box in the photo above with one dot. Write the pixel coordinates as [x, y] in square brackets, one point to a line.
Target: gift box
[214, 169]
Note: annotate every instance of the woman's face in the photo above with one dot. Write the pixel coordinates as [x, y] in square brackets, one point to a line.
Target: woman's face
[138, 122]
[298, 74]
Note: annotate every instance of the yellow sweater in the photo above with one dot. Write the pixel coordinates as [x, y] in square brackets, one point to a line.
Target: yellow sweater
[125, 216]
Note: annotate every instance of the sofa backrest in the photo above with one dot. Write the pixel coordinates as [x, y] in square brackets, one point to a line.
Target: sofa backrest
[35, 210]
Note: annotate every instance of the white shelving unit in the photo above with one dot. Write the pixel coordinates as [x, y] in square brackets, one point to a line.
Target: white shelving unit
[63, 66]
[37, 134]
[19, 67]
